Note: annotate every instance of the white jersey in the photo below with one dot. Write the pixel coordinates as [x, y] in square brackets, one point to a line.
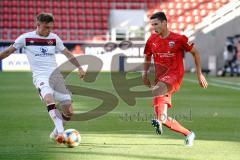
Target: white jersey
[40, 52]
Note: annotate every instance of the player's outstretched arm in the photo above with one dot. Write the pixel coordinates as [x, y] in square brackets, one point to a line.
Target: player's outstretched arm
[146, 66]
[75, 62]
[201, 79]
[7, 52]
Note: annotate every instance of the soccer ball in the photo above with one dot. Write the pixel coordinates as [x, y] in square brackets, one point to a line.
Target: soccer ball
[72, 138]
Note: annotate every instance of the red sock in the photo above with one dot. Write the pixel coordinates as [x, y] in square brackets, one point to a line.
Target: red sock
[159, 103]
[175, 126]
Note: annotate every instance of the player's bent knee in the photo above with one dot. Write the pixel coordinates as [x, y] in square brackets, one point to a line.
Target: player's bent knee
[48, 99]
[67, 110]
[160, 89]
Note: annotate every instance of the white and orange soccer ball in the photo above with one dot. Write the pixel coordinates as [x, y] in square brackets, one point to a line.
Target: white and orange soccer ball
[72, 138]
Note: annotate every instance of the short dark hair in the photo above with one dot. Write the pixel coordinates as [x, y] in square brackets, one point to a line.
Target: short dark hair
[160, 16]
[45, 17]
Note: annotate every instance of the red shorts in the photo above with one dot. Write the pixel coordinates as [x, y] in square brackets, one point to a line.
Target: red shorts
[174, 82]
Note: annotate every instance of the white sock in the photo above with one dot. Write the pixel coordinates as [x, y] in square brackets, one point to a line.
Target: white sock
[55, 132]
[57, 121]
[60, 116]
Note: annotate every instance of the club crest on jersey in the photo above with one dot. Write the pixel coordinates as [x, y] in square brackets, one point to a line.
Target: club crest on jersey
[50, 42]
[171, 44]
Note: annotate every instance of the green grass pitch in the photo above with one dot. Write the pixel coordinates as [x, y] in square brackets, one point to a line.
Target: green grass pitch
[125, 132]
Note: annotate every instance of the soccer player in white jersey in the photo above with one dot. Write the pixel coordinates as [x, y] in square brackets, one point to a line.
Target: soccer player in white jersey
[40, 47]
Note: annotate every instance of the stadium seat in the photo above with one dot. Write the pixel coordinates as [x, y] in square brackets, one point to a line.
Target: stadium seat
[14, 24]
[55, 4]
[73, 25]
[71, 5]
[31, 3]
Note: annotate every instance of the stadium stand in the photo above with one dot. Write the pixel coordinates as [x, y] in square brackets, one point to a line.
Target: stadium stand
[85, 21]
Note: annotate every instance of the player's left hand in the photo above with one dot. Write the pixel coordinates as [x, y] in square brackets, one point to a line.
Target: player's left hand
[202, 81]
[81, 73]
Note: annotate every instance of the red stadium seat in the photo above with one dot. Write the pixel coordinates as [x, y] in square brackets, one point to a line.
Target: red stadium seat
[6, 10]
[5, 17]
[64, 11]
[104, 18]
[72, 18]
[31, 25]
[104, 5]
[80, 32]
[89, 25]
[72, 11]
[121, 6]
[97, 18]
[95, 11]
[40, 4]
[47, 4]
[14, 33]
[14, 17]
[55, 4]
[81, 25]
[80, 19]
[80, 12]
[73, 25]
[95, 4]
[55, 11]
[73, 35]
[88, 4]
[5, 3]
[21, 31]
[104, 11]
[5, 34]
[71, 4]
[57, 25]
[89, 18]
[31, 11]
[64, 18]
[14, 3]
[14, 10]
[14, 24]
[23, 24]
[63, 4]
[80, 4]
[31, 3]
[104, 25]
[64, 25]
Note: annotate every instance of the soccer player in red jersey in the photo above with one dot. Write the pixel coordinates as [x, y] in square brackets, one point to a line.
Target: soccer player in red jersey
[167, 49]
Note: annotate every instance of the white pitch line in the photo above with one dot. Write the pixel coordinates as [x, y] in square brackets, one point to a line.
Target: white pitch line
[215, 84]
[225, 82]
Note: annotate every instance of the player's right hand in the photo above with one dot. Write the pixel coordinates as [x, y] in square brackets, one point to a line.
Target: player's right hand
[146, 80]
[202, 81]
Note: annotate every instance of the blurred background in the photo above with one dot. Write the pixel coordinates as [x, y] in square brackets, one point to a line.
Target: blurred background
[86, 27]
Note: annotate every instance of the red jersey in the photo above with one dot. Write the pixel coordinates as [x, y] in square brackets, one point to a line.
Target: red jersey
[168, 56]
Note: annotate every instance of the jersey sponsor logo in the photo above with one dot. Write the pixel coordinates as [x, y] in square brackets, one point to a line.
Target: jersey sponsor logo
[44, 52]
[40, 42]
[165, 55]
[171, 44]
